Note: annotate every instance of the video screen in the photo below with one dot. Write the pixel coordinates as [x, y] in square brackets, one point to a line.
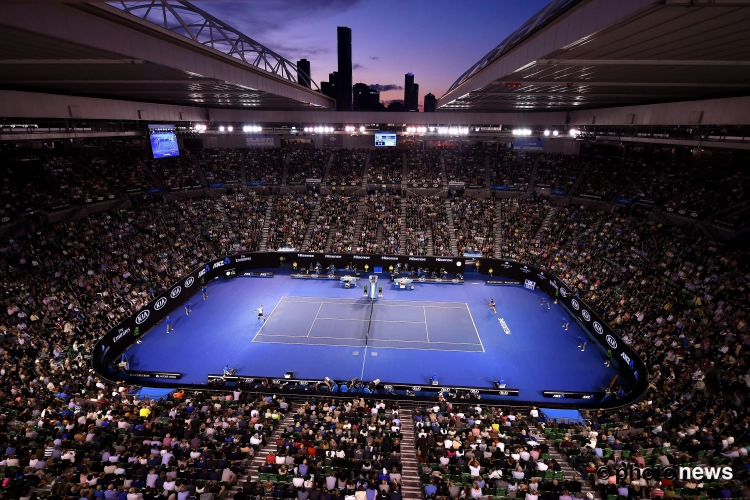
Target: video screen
[386, 139]
[164, 143]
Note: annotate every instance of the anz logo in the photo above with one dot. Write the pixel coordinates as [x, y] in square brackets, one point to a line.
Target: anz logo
[189, 282]
[227, 260]
[575, 304]
[627, 359]
[142, 316]
[220, 264]
[160, 303]
[598, 328]
[586, 315]
[611, 341]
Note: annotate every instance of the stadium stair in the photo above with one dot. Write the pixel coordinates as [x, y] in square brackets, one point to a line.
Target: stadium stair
[498, 219]
[568, 471]
[579, 180]
[402, 233]
[243, 171]
[404, 171]
[311, 226]
[327, 171]
[197, 165]
[411, 484]
[285, 173]
[549, 218]
[267, 223]
[532, 176]
[487, 171]
[451, 228]
[360, 220]
[443, 174]
[260, 456]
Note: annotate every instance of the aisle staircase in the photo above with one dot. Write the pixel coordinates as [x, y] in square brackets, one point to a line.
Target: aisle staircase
[579, 180]
[549, 219]
[266, 224]
[285, 173]
[402, 227]
[313, 222]
[443, 174]
[358, 224]
[327, 171]
[451, 227]
[498, 227]
[487, 171]
[260, 456]
[411, 484]
[532, 176]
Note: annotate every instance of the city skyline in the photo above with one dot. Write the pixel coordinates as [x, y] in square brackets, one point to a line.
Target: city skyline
[433, 40]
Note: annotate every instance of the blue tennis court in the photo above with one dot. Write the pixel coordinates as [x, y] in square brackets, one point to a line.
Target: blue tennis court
[388, 324]
[319, 329]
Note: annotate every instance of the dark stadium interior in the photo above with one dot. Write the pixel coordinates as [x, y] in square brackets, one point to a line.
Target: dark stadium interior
[219, 287]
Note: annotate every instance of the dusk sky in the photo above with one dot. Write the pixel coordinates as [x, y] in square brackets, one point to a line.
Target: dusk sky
[436, 40]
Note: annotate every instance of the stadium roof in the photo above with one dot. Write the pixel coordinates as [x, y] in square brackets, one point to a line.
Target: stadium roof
[97, 50]
[577, 54]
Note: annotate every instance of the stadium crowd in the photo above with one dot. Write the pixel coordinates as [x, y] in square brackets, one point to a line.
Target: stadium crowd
[676, 296]
[335, 223]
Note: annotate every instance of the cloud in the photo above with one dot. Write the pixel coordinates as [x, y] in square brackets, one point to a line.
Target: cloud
[385, 88]
[277, 17]
[375, 58]
[357, 66]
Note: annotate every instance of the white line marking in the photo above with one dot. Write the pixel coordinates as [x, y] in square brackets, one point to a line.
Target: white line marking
[316, 317]
[475, 326]
[426, 330]
[351, 345]
[304, 337]
[269, 317]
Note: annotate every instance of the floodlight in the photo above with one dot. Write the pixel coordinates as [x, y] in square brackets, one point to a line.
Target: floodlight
[221, 129]
[555, 132]
[230, 128]
[546, 132]
[362, 128]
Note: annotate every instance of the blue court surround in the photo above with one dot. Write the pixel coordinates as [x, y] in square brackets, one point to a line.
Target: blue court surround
[317, 329]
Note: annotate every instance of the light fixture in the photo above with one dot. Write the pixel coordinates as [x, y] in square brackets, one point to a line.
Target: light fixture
[574, 132]
[555, 133]
[221, 129]
[230, 128]
[361, 128]
[546, 133]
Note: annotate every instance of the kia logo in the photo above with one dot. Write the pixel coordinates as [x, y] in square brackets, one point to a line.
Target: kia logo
[575, 305]
[142, 316]
[175, 291]
[563, 292]
[160, 303]
[598, 328]
[189, 282]
[611, 341]
[586, 315]
[416, 389]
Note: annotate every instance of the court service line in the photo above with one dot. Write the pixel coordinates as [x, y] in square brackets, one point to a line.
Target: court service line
[269, 317]
[305, 337]
[313, 321]
[475, 326]
[418, 341]
[361, 345]
[426, 330]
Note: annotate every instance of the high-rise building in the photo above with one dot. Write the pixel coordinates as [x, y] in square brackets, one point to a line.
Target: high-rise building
[365, 98]
[344, 83]
[430, 103]
[330, 88]
[303, 72]
[411, 93]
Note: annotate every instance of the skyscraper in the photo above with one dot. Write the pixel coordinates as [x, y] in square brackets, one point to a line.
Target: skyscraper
[344, 83]
[430, 103]
[330, 88]
[303, 72]
[365, 98]
[411, 93]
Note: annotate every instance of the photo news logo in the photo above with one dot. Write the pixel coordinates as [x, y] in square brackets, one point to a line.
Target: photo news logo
[659, 472]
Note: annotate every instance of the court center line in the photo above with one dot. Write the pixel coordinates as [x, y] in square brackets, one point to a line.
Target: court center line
[269, 317]
[316, 317]
[475, 326]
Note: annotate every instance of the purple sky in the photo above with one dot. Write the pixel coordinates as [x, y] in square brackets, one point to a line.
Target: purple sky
[436, 40]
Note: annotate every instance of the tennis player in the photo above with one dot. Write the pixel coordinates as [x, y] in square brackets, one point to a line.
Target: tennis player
[260, 313]
[493, 306]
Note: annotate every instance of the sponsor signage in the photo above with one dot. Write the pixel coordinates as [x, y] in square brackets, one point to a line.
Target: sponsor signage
[502, 282]
[596, 396]
[162, 375]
